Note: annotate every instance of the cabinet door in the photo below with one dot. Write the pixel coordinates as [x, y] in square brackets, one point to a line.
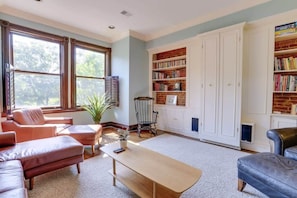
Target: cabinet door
[175, 120]
[229, 100]
[210, 61]
[283, 122]
[161, 120]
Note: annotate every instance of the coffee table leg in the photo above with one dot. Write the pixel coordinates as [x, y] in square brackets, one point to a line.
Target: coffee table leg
[114, 171]
[154, 190]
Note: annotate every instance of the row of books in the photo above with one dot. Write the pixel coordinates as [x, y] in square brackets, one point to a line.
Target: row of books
[172, 63]
[161, 75]
[288, 28]
[289, 63]
[285, 82]
[160, 87]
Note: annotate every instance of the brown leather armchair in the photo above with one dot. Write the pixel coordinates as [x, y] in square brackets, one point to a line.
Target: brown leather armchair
[30, 124]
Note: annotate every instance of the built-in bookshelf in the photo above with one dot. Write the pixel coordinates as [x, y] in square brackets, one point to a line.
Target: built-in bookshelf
[285, 68]
[169, 75]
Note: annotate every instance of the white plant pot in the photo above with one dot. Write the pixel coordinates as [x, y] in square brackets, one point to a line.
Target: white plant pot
[123, 144]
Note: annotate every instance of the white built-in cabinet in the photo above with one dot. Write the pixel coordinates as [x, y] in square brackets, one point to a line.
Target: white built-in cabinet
[221, 85]
[283, 121]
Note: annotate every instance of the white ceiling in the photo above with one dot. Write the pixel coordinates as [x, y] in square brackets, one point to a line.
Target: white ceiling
[147, 19]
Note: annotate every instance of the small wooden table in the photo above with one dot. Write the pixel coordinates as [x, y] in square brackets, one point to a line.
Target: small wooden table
[150, 174]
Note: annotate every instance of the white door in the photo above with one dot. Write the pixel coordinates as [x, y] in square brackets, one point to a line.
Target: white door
[210, 63]
[230, 71]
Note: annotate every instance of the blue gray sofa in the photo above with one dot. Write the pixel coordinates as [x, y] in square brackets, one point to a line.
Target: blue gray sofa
[273, 174]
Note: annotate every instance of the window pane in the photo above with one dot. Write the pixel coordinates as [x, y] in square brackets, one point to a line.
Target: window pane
[89, 63]
[37, 90]
[35, 55]
[87, 87]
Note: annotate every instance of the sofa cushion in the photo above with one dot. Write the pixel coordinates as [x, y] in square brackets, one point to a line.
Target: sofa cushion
[291, 152]
[19, 193]
[11, 176]
[33, 116]
[36, 153]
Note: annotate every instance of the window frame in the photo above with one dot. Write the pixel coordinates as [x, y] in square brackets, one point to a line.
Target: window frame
[87, 46]
[67, 70]
[7, 29]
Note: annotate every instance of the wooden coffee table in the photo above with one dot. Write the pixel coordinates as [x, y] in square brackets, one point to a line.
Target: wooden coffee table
[150, 174]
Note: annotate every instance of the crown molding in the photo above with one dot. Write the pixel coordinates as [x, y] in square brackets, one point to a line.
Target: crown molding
[37, 19]
[203, 19]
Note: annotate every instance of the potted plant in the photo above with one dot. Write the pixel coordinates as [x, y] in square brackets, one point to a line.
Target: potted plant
[97, 105]
[123, 137]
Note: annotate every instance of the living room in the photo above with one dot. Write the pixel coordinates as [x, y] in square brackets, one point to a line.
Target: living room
[131, 62]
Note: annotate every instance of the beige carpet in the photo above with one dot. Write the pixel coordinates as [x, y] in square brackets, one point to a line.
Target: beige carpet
[218, 164]
[110, 135]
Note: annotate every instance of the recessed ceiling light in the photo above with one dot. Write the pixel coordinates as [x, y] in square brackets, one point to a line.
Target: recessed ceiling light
[126, 13]
[111, 27]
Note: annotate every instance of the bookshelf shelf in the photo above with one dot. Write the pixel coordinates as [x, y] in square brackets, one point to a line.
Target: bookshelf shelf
[169, 75]
[170, 59]
[170, 68]
[171, 91]
[285, 72]
[170, 79]
[284, 52]
[286, 37]
[295, 92]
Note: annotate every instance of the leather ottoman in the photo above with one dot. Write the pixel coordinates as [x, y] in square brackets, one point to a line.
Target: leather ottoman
[85, 134]
[272, 174]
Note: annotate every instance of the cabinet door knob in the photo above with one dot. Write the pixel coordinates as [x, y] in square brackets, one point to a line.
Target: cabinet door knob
[210, 85]
[229, 84]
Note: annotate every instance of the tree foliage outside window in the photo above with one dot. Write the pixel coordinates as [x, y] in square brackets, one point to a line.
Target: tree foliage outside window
[37, 72]
[38, 69]
[90, 73]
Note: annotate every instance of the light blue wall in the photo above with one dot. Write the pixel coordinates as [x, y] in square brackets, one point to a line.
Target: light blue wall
[270, 8]
[139, 77]
[121, 67]
[129, 61]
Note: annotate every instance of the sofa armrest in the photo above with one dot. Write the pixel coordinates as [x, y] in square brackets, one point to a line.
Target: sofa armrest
[7, 138]
[282, 138]
[58, 120]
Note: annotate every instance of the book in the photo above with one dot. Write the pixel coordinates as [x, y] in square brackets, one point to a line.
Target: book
[288, 28]
[292, 83]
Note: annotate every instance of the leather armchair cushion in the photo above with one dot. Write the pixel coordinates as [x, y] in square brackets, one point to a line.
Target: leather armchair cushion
[291, 152]
[272, 174]
[32, 116]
